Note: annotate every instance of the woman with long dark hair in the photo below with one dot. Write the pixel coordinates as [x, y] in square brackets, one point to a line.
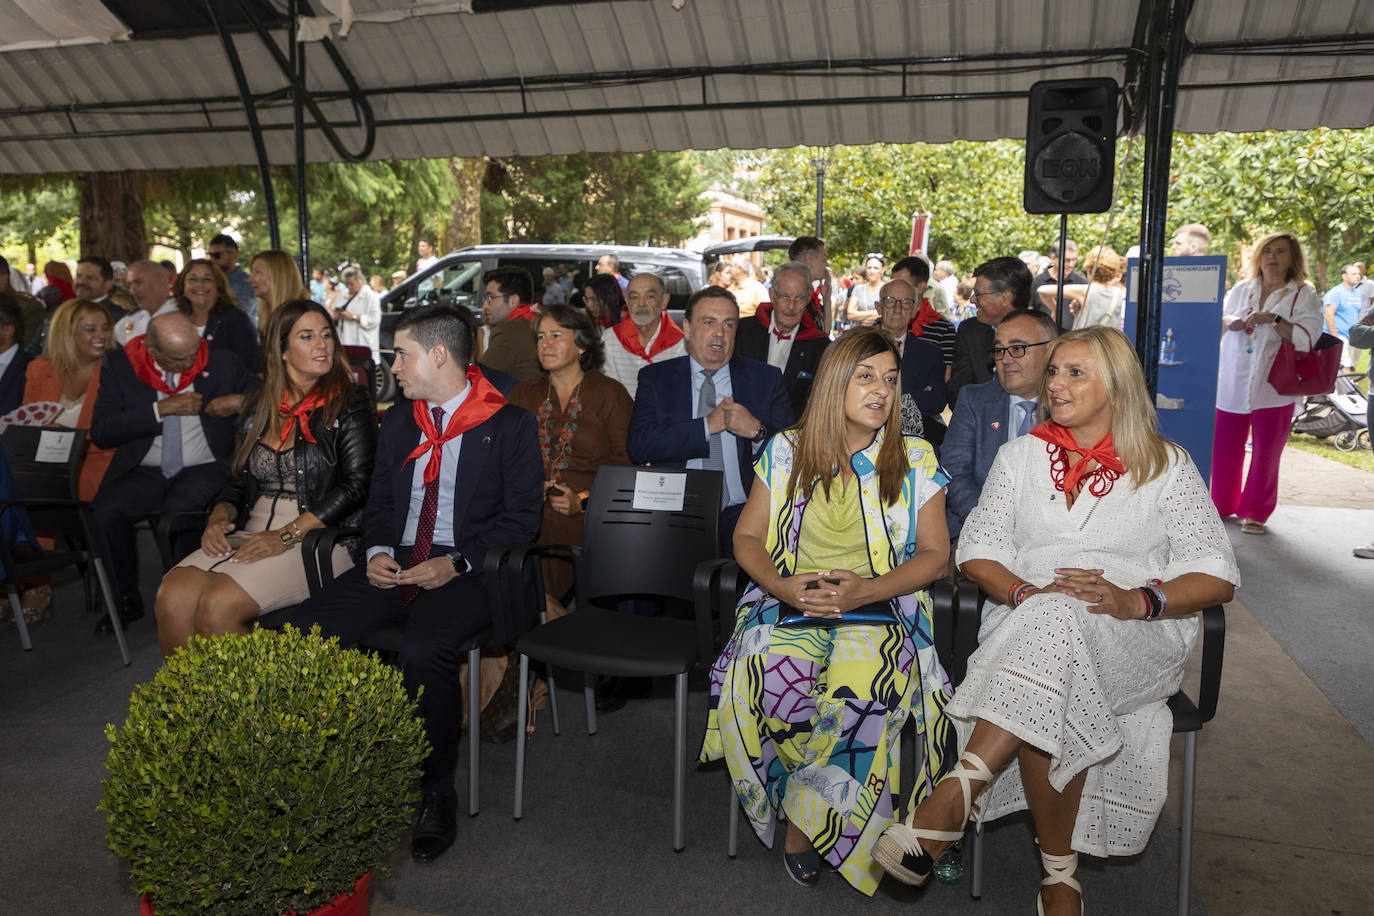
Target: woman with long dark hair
[844, 528]
[604, 300]
[304, 461]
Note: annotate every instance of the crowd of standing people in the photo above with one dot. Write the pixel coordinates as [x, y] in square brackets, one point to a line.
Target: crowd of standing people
[865, 432]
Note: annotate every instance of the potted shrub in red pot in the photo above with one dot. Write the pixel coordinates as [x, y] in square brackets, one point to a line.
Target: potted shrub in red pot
[268, 773]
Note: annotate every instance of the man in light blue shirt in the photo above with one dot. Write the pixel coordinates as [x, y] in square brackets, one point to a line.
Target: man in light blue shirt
[224, 251]
[1341, 305]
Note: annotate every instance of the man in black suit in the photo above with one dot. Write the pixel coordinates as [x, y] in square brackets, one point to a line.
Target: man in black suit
[14, 362]
[783, 334]
[709, 409]
[166, 404]
[999, 286]
[458, 471]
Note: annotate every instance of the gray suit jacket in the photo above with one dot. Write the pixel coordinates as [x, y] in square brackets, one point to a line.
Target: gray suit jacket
[977, 429]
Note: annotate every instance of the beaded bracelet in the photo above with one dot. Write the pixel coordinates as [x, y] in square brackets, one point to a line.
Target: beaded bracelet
[1156, 602]
[1018, 592]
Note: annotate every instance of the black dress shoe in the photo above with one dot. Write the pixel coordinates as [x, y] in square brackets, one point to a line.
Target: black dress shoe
[614, 692]
[129, 610]
[436, 826]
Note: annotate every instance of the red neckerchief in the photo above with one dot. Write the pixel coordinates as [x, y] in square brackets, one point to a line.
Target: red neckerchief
[924, 316]
[1107, 459]
[627, 332]
[481, 403]
[153, 375]
[298, 415]
[527, 312]
[806, 330]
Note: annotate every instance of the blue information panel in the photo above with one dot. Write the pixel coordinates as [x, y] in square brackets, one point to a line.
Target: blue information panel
[1190, 329]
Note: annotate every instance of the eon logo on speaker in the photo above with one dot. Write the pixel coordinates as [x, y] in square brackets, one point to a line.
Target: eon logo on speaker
[1070, 146]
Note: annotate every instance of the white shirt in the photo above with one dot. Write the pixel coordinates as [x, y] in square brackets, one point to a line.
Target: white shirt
[8, 357]
[1245, 359]
[624, 366]
[1014, 414]
[131, 326]
[194, 448]
[779, 350]
[367, 330]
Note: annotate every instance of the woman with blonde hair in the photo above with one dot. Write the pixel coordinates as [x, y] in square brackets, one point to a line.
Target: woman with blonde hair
[832, 649]
[1100, 301]
[276, 279]
[1097, 542]
[307, 438]
[1270, 306]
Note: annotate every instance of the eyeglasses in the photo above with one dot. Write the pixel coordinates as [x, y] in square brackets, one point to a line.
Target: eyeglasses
[973, 296]
[215, 255]
[494, 297]
[875, 255]
[790, 300]
[1015, 351]
[890, 301]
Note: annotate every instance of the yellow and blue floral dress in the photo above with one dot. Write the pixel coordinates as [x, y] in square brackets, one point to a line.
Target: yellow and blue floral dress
[809, 719]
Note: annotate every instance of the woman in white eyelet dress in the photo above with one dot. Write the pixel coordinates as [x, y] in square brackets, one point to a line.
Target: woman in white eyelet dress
[1068, 684]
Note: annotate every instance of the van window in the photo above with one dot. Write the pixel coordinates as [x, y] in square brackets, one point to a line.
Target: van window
[562, 274]
[457, 283]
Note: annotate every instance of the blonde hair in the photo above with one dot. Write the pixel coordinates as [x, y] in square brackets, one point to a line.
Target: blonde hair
[1103, 264]
[821, 447]
[286, 282]
[1135, 425]
[1297, 270]
[60, 348]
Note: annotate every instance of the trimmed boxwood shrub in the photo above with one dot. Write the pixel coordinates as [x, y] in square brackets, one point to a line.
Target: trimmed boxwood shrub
[261, 773]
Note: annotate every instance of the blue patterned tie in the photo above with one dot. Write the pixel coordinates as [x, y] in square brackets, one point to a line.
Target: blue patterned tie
[172, 462]
[1027, 417]
[715, 461]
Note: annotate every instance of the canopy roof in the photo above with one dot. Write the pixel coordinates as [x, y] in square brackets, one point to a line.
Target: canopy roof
[123, 84]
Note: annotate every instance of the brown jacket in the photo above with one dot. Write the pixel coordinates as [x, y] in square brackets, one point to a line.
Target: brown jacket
[510, 348]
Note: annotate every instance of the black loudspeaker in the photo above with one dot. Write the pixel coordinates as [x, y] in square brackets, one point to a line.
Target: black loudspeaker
[1071, 146]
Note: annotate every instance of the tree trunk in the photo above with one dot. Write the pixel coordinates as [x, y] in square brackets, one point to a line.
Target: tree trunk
[1320, 254]
[465, 223]
[112, 216]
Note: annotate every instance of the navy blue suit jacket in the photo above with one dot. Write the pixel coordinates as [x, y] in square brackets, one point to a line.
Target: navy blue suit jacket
[663, 430]
[923, 377]
[977, 429]
[498, 493]
[123, 415]
[13, 380]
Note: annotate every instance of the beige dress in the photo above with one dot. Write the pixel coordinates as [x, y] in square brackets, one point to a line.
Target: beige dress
[279, 581]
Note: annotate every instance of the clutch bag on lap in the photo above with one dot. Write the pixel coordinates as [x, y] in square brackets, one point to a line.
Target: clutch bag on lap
[878, 613]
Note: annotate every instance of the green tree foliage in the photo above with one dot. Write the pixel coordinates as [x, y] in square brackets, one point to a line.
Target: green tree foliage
[648, 198]
[37, 217]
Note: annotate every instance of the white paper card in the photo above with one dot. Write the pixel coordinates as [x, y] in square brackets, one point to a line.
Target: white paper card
[53, 447]
[659, 492]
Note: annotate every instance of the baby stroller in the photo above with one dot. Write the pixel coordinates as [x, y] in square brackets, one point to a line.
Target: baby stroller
[1341, 414]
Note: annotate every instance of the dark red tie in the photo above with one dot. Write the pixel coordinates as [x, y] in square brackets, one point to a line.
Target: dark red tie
[429, 511]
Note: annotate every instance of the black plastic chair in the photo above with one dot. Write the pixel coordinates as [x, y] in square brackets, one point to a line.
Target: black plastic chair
[629, 551]
[44, 487]
[1188, 720]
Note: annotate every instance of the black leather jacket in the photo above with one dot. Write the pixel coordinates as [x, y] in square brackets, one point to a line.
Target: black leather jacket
[332, 475]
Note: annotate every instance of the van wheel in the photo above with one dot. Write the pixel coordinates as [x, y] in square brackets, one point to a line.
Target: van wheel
[383, 383]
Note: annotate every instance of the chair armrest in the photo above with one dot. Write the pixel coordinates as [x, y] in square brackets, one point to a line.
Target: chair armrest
[317, 555]
[968, 618]
[1213, 651]
[36, 503]
[715, 588]
[944, 603]
[163, 532]
[515, 577]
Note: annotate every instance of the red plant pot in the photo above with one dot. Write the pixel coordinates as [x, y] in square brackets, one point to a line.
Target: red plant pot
[350, 904]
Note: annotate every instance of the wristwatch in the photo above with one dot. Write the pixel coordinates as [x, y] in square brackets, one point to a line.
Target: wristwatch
[761, 434]
[460, 562]
[287, 538]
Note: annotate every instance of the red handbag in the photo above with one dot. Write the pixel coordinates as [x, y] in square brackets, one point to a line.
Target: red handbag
[1314, 372]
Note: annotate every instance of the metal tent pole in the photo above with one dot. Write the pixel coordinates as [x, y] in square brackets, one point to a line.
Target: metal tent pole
[298, 106]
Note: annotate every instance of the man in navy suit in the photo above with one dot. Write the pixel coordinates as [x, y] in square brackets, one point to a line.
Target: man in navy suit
[923, 364]
[992, 413]
[458, 471]
[999, 285]
[783, 334]
[14, 362]
[709, 409]
[166, 405]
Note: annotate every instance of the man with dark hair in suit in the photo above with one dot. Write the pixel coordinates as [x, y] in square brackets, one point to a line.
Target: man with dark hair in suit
[14, 361]
[994, 412]
[510, 316]
[710, 409]
[458, 471]
[166, 404]
[783, 334]
[999, 285]
[811, 251]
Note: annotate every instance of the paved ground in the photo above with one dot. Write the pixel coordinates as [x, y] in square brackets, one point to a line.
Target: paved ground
[1310, 480]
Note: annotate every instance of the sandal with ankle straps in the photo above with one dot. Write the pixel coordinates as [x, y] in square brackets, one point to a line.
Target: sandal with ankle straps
[899, 850]
[1059, 870]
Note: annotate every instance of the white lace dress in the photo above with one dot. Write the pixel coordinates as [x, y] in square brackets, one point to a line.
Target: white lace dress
[1087, 688]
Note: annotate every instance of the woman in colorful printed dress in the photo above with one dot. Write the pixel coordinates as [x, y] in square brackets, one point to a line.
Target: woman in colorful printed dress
[1100, 534]
[808, 718]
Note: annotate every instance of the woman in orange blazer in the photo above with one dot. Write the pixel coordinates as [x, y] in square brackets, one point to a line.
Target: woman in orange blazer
[68, 373]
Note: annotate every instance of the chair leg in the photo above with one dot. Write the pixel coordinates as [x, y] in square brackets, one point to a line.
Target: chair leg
[110, 608]
[474, 726]
[17, 607]
[521, 712]
[553, 698]
[732, 840]
[1185, 835]
[589, 694]
[976, 884]
[679, 762]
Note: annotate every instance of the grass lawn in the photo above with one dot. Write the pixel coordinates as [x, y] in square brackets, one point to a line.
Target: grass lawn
[1360, 458]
